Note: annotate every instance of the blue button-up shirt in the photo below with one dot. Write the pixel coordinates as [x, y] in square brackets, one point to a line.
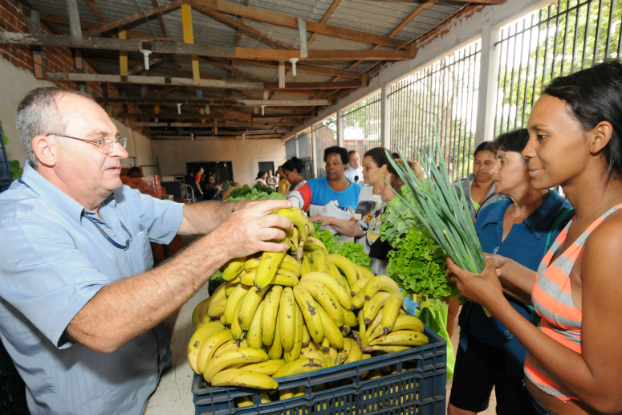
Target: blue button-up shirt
[526, 244]
[53, 260]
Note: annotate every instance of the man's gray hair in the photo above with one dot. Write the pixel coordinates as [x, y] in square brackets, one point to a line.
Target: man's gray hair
[37, 114]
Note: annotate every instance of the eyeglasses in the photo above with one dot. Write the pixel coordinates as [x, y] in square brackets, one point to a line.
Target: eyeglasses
[105, 146]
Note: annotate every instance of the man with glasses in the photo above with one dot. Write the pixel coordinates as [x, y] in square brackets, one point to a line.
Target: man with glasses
[80, 305]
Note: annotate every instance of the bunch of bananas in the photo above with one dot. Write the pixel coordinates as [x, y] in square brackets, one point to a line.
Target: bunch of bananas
[286, 313]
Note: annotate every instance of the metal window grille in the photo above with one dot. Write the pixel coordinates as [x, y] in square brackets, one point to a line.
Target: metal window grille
[439, 100]
[5, 170]
[326, 136]
[362, 124]
[305, 154]
[556, 40]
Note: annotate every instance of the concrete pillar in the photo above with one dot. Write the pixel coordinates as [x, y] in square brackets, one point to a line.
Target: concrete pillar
[340, 137]
[487, 96]
[385, 116]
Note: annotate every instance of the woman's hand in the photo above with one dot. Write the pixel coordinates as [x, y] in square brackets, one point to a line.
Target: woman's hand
[484, 289]
[326, 221]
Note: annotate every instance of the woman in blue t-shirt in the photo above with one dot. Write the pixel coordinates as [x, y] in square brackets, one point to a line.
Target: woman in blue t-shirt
[522, 228]
[317, 193]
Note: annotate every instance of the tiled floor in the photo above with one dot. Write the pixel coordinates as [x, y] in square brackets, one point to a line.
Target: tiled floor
[493, 400]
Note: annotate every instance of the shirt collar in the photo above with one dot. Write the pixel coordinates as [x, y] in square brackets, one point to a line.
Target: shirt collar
[540, 221]
[50, 193]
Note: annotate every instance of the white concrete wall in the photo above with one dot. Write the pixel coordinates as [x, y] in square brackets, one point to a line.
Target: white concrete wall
[244, 154]
[460, 33]
[16, 83]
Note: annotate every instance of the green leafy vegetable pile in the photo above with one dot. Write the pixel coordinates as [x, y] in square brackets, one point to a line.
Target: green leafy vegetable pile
[257, 192]
[351, 250]
[417, 263]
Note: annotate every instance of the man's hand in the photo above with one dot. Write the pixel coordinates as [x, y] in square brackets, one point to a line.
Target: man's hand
[252, 229]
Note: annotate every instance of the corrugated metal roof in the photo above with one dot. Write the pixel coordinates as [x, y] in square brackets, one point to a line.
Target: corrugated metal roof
[374, 17]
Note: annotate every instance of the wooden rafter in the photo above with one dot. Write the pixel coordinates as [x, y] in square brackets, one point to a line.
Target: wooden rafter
[329, 12]
[95, 10]
[136, 45]
[238, 39]
[486, 2]
[165, 8]
[267, 16]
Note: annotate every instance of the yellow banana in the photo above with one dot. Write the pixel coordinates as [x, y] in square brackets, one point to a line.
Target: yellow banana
[231, 344]
[362, 328]
[349, 318]
[216, 309]
[282, 277]
[253, 336]
[313, 244]
[390, 311]
[306, 339]
[251, 264]
[358, 301]
[334, 354]
[233, 357]
[339, 278]
[311, 353]
[297, 217]
[403, 322]
[401, 338]
[294, 236]
[358, 287]
[345, 352]
[287, 315]
[245, 378]
[250, 302]
[210, 346]
[292, 393]
[294, 353]
[310, 229]
[308, 306]
[384, 349]
[198, 338]
[365, 273]
[197, 313]
[329, 282]
[326, 299]
[287, 266]
[380, 283]
[306, 266]
[331, 331]
[275, 351]
[230, 286]
[222, 320]
[347, 267]
[345, 330]
[236, 330]
[269, 367]
[233, 269]
[326, 347]
[355, 353]
[269, 314]
[245, 401]
[376, 322]
[290, 260]
[372, 306]
[232, 302]
[319, 261]
[298, 366]
[269, 264]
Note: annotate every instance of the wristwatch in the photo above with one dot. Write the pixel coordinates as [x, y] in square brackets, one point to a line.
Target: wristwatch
[235, 206]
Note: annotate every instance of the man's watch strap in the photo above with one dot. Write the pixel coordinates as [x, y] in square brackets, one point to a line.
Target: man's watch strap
[235, 206]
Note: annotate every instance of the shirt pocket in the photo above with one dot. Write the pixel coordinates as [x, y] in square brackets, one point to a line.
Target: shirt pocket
[141, 250]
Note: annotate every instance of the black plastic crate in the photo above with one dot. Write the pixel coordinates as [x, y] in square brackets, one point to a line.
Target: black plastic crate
[417, 386]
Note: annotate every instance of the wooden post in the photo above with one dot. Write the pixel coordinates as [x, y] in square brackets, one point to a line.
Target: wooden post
[74, 19]
[77, 58]
[302, 27]
[281, 74]
[186, 20]
[123, 67]
[34, 27]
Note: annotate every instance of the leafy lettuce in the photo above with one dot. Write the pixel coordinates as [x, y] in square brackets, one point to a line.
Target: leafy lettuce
[351, 250]
[257, 192]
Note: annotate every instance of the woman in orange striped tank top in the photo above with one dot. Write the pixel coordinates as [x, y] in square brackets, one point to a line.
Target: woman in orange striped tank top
[574, 363]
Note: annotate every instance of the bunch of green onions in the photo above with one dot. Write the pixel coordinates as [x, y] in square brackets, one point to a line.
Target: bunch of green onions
[445, 218]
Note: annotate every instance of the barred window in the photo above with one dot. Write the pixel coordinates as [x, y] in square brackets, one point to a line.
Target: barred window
[326, 136]
[439, 101]
[556, 40]
[361, 124]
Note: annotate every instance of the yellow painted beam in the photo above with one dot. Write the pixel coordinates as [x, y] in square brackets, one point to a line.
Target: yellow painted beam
[123, 67]
[186, 20]
[156, 109]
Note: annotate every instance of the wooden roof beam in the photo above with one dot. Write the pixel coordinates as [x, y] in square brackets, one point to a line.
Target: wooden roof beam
[165, 8]
[485, 2]
[329, 12]
[267, 16]
[197, 116]
[136, 45]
